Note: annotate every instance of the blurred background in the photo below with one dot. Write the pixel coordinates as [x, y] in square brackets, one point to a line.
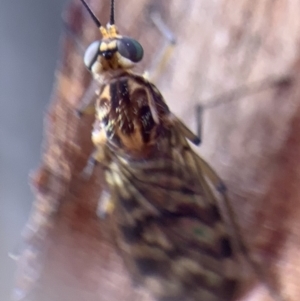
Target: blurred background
[29, 49]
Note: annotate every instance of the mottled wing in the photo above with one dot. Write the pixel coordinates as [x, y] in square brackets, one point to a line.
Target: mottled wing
[168, 225]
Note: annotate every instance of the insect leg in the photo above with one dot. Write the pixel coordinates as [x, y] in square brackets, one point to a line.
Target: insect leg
[159, 65]
[87, 103]
[185, 131]
[162, 58]
[283, 81]
[105, 205]
[235, 94]
[98, 156]
[88, 100]
[199, 120]
[236, 232]
[101, 153]
[89, 168]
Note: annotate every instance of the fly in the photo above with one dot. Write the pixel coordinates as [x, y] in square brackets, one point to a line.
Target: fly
[163, 201]
[163, 198]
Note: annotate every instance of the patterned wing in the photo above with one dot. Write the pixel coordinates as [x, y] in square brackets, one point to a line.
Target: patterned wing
[168, 225]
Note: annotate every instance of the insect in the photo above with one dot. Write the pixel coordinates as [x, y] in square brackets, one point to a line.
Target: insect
[163, 198]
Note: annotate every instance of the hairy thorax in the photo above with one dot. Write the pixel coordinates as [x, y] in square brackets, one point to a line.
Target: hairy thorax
[129, 115]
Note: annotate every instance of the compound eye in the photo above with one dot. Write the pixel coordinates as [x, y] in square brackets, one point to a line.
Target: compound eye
[91, 54]
[130, 49]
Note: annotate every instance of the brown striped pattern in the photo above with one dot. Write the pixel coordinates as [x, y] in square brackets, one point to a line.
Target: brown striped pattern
[167, 224]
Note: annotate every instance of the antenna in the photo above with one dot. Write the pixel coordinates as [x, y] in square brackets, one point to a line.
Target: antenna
[112, 12]
[95, 19]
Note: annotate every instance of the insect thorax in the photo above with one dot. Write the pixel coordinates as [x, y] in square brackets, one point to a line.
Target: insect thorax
[129, 112]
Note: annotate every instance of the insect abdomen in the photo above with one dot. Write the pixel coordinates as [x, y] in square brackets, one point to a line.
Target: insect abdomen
[172, 238]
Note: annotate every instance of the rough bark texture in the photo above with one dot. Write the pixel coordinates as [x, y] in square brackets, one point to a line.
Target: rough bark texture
[252, 142]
